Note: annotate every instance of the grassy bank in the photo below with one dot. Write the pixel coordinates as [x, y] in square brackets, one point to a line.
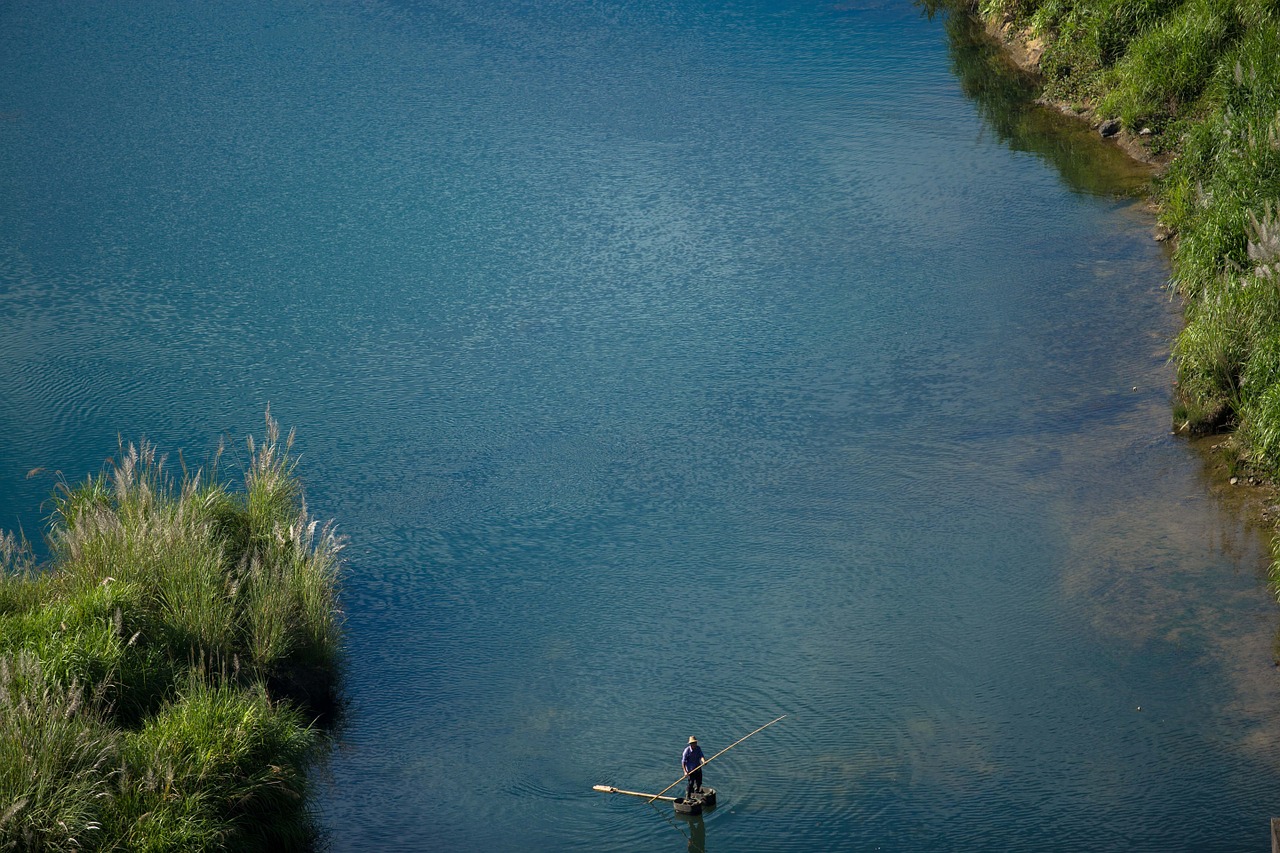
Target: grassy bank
[159, 677]
[1197, 81]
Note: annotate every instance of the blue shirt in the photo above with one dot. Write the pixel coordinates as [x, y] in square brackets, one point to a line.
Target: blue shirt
[692, 757]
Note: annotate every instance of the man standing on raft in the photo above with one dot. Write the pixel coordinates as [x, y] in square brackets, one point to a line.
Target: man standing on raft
[691, 762]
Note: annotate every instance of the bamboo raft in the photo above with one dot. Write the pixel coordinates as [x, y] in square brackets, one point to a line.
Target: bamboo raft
[705, 799]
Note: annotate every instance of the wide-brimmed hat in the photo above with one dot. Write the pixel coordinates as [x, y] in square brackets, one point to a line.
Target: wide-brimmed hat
[693, 739]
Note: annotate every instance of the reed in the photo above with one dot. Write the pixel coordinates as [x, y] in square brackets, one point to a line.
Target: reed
[158, 675]
[56, 760]
[20, 586]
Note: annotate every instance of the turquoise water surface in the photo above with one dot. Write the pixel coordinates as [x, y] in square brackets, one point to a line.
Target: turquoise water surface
[670, 366]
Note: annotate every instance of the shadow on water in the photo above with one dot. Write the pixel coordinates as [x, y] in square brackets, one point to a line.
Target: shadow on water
[693, 828]
[697, 836]
[1006, 98]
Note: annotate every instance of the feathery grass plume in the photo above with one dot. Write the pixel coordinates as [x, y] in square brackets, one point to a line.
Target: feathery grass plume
[272, 493]
[57, 759]
[20, 587]
[15, 557]
[288, 576]
[1263, 244]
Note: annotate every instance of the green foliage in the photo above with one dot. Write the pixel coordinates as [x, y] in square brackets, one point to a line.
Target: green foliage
[1118, 22]
[1166, 68]
[56, 760]
[1085, 40]
[218, 768]
[133, 711]
[75, 640]
[1218, 196]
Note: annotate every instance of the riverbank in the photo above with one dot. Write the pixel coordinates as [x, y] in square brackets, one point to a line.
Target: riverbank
[160, 678]
[1025, 49]
[1193, 89]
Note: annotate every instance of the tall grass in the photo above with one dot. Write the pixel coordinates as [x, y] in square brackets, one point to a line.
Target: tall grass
[1165, 68]
[57, 758]
[1086, 40]
[155, 675]
[288, 571]
[219, 768]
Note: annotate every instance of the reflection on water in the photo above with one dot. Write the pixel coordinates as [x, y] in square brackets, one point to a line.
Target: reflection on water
[1007, 100]
[697, 835]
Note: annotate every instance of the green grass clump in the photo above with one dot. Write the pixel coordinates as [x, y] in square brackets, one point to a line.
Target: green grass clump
[218, 768]
[1221, 197]
[1166, 68]
[155, 675]
[57, 756]
[1088, 39]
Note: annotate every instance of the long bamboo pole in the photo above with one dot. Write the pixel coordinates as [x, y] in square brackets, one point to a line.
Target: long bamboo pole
[714, 757]
[607, 789]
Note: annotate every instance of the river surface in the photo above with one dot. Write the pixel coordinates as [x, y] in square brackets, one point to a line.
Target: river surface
[671, 366]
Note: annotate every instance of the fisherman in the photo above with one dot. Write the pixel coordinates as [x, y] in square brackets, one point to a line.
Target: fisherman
[691, 762]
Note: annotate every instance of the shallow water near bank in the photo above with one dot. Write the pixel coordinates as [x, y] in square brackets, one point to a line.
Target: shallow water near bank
[670, 367]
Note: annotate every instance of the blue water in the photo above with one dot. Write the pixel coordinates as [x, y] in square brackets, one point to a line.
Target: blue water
[670, 367]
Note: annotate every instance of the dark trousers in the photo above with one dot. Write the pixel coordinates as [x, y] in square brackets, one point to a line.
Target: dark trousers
[694, 783]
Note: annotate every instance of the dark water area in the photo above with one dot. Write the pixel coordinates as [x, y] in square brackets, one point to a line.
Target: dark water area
[670, 367]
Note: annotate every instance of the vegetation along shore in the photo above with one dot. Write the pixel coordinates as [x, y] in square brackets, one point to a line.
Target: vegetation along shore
[1192, 87]
[161, 677]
